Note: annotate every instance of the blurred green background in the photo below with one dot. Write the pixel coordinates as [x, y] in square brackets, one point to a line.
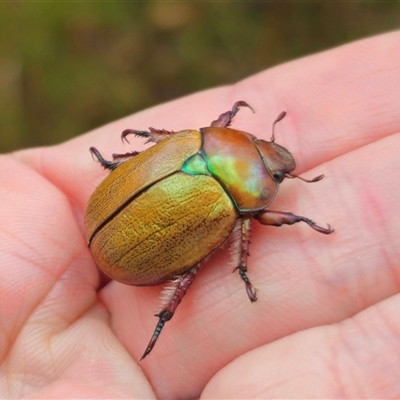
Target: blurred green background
[68, 67]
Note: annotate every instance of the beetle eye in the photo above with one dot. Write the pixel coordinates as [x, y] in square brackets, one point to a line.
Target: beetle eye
[279, 176]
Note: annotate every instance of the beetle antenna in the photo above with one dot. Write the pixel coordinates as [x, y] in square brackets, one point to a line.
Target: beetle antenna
[279, 118]
[316, 179]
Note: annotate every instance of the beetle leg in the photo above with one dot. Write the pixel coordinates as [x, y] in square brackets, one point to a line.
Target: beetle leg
[152, 135]
[183, 284]
[225, 118]
[123, 157]
[278, 218]
[244, 244]
[111, 165]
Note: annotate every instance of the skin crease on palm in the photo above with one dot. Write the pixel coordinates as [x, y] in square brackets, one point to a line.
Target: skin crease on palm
[327, 320]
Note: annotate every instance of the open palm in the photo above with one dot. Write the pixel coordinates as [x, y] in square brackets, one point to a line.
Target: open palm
[326, 323]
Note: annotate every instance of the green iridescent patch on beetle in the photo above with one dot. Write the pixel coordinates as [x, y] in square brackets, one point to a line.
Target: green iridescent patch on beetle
[233, 159]
[195, 165]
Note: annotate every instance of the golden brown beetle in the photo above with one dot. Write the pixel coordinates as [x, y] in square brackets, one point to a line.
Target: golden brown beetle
[159, 213]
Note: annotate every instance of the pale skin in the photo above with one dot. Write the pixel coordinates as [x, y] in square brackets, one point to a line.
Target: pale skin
[327, 320]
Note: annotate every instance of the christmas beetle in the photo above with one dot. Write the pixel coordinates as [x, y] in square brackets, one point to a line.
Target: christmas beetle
[161, 212]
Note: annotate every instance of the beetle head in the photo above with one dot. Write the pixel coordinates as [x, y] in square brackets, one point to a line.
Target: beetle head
[278, 161]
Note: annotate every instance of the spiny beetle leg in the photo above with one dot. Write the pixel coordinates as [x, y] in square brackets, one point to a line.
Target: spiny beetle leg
[225, 118]
[182, 286]
[152, 135]
[125, 156]
[243, 252]
[278, 218]
[111, 165]
[162, 133]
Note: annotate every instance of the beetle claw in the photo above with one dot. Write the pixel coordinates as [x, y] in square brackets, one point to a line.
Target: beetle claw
[111, 165]
[153, 135]
[251, 292]
[320, 229]
[324, 230]
[135, 132]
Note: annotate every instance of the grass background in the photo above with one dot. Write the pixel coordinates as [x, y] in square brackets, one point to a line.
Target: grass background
[69, 66]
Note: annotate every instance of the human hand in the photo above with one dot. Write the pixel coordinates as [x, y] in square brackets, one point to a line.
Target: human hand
[326, 321]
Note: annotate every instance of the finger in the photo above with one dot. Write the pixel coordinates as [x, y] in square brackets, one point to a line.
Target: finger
[55, 337]
[356, 358]
[39, 240]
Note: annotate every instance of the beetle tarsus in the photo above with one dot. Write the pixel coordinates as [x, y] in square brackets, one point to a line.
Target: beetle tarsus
[111, 165]
[135, 132]
[313, 225]
[320, 229]
[225, 119]
[153, 135]
[251, 292]
[182, 286]
[164, 317]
